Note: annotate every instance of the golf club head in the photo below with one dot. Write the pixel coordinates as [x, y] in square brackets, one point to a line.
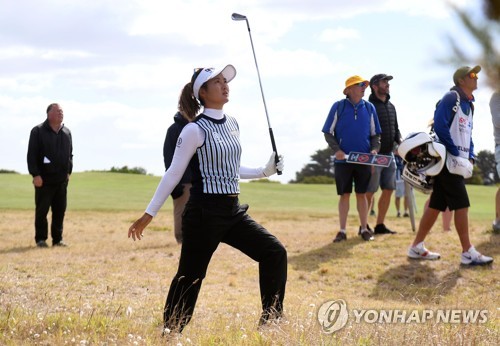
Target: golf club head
[236, 16]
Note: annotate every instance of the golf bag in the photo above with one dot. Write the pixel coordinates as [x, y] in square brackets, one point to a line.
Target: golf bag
[424, 158]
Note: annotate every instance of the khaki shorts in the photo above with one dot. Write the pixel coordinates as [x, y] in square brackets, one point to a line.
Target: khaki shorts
[179, 204]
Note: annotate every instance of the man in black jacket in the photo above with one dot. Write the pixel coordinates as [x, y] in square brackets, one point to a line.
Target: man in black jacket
[180, 194]
[385, 177]
[50, 162]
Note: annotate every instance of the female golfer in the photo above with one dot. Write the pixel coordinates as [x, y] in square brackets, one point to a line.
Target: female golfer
[210, 146]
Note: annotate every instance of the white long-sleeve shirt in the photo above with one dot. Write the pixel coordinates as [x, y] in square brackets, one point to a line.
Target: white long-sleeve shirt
[191, 138]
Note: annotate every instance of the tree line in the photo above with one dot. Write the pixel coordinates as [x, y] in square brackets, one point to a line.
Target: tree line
[320, 169]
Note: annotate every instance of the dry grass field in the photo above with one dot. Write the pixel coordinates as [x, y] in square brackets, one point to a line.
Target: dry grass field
[105, 289]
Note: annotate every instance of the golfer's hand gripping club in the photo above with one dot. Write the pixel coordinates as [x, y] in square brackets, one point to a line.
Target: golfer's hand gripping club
[277, 157]
[276, 163]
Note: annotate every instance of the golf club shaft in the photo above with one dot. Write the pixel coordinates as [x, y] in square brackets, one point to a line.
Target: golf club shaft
[236, 16]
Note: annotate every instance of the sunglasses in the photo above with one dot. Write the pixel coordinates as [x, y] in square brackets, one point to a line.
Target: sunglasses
[472, 75]
[362, 84]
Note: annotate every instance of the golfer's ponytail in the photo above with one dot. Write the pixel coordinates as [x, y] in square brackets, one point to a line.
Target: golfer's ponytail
[188, 104]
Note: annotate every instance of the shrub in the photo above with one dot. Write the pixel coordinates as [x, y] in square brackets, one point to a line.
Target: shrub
[125, 169]
[318, 179]
[265, 180]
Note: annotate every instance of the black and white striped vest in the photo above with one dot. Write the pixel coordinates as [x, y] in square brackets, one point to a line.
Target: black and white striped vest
[219, 156]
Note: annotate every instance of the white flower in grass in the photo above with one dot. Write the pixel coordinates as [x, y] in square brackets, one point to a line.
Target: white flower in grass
[129, 311]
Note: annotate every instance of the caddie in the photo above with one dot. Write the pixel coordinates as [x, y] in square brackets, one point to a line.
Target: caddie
[453, 120]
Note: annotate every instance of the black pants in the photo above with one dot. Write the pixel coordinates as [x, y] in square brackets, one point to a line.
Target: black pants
[47, 197]
[206, 224]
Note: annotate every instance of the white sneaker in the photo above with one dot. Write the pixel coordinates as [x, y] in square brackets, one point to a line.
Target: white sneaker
[473, 258]
[420, 252]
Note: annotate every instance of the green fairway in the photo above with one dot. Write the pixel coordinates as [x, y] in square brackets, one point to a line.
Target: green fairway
[118, 191]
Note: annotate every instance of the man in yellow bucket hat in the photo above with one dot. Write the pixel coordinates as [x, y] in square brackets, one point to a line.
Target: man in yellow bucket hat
[352, 125]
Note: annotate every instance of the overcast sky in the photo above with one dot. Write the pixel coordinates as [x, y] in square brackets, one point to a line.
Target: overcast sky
[117, 68]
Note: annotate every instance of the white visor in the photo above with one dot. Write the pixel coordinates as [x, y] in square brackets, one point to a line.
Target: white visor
[229, 72]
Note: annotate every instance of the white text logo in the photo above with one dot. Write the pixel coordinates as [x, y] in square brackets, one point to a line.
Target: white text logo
[333, 316]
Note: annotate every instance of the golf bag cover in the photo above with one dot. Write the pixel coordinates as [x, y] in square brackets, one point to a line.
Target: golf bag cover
[424, 159]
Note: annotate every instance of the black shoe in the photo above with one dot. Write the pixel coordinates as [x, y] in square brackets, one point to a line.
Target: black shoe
[41, 243]
[372, 212]
[341, 236]
[366, 234]
[406, 215]
[61, 244]
[381, 229]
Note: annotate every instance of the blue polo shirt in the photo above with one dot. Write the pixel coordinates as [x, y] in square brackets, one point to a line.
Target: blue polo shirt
[352, 125]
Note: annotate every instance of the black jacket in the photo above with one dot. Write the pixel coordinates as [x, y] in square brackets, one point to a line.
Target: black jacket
[50, 154]
[388, 120]
[169, 145]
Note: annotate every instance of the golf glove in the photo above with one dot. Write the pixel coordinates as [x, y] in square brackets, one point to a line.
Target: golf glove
[272, 166]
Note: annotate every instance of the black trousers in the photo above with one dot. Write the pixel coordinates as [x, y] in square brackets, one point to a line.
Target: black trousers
[206, 223]
[53, 197]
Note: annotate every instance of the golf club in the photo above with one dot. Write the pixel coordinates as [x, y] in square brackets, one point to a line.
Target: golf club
[237, 17]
